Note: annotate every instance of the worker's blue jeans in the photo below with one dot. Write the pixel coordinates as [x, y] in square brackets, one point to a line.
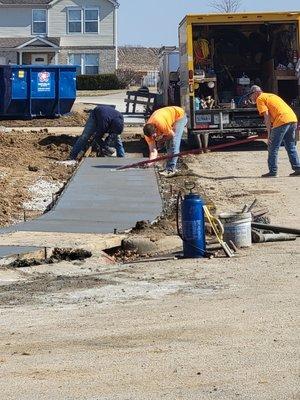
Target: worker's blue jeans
[115, 141]
[286, 134]
[89, 130]
[173, 144]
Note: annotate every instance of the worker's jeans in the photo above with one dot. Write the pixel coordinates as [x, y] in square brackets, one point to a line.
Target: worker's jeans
[173, 144]
[115, 141]
[286, 134]
[89, 130]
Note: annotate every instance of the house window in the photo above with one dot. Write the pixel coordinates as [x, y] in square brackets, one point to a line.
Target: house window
[39, 22]
[75, 59]
[87, 64]
[91, 64]
[91, 20]
[83, 20]
[74, 21]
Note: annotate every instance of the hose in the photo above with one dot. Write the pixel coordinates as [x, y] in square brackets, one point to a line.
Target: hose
[201, 50]
[178, 203]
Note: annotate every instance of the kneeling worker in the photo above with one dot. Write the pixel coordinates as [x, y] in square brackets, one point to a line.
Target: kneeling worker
[102, 120]
[166, 126]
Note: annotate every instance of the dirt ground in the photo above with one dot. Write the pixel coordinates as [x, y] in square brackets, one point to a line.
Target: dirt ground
[28, 158]
[77, 117]
[25, 159]
[179, 329]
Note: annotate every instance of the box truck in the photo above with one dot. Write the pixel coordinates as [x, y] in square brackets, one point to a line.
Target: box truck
[222, 55]
[168, 78]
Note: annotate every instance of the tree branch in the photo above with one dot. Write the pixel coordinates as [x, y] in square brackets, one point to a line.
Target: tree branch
[227, 6]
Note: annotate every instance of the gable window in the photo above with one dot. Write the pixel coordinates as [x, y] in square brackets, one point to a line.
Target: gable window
[75, 21]
[87, 64]
[39, 22]
[91, 20]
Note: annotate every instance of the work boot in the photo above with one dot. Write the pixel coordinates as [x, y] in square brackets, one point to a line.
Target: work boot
[295, 173]
[269, 175]
[107, 151]
[168, 173]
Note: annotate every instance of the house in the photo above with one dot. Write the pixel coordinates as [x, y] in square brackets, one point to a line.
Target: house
[77, 32]
[142, 62]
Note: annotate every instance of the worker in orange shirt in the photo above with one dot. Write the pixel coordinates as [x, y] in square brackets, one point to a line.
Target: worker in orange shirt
[281, 123]
[166, 125]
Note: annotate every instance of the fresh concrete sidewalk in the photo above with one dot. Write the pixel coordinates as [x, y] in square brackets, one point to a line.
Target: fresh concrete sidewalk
[99, 199]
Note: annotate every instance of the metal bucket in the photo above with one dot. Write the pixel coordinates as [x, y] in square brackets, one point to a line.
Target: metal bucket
[237, 227]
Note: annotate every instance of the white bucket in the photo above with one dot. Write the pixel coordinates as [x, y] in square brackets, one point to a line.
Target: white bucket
[237, 227]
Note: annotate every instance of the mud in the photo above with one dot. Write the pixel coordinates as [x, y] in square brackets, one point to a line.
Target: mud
[57, 256]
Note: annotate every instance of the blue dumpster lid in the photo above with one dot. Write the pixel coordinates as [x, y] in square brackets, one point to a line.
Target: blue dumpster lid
[38, 66]
[45, 66]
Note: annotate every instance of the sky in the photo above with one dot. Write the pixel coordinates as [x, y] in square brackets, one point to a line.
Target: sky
[154, 23]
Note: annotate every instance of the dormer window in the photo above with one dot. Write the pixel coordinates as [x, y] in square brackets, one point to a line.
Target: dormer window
[39, 22]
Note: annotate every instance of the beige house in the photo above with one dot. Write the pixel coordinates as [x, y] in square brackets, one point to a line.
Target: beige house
[78, 32]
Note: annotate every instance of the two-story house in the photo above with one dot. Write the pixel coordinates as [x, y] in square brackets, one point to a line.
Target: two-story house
[78, 32]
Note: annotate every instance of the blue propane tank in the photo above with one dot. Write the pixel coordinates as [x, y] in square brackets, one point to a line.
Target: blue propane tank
[193, 226]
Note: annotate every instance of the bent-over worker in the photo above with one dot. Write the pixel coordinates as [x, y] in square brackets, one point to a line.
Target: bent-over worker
[281, 123]
[166, 126]
[102, 120]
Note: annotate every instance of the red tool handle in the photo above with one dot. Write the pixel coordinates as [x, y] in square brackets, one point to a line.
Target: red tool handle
[187, 152]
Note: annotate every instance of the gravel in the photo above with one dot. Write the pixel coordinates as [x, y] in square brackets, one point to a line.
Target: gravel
[42, 192]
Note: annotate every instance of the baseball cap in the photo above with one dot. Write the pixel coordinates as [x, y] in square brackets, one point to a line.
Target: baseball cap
[253, 89]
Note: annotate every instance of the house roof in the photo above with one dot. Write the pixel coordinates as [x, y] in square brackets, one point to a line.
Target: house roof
[24, 2]
[37, 2]
[14, 43]
[138, 58]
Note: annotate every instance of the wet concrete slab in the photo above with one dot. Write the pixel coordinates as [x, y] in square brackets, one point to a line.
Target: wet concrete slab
[9, 251]
[99, 199]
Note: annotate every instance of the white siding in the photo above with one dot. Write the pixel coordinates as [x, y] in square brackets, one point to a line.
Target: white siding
[58, 23]
[15, 22]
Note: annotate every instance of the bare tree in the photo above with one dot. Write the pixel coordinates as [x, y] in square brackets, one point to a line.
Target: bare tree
[227, 6]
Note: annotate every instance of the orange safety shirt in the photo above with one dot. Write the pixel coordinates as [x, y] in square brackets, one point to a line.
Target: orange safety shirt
[280, 112]
[163, 120]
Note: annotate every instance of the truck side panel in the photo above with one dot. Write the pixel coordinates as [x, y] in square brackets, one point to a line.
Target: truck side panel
[184, 71]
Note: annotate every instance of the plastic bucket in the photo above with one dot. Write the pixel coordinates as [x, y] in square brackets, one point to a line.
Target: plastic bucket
[237, 227]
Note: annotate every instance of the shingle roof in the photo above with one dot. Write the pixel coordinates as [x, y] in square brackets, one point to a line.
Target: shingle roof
[34, 2]
[24, 2]
[138, 58]
[15, 42]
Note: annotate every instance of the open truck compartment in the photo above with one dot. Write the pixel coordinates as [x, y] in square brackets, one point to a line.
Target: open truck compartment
[221, 61]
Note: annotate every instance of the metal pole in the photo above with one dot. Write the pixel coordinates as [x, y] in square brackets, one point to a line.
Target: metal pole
[276, 228]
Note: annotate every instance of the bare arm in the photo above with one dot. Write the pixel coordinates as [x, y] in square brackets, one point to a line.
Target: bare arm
[152, 151]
